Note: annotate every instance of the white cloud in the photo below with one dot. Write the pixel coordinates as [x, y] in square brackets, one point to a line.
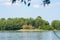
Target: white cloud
[55, 4]
[7, 3]
[10, 4]
[52, 5]
[36, 6]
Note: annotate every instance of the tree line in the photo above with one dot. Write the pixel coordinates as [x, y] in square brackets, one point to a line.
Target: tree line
[28, 23]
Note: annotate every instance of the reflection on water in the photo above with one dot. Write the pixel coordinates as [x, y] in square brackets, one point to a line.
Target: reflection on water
[56, 35]
[45, 35]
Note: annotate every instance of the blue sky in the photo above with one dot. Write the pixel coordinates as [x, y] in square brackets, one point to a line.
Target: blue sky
[49, 13]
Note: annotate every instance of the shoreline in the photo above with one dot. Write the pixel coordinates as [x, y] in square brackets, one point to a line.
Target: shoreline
[30, 30]
[33, 30]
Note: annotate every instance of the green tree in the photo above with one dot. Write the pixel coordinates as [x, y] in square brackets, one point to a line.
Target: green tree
[56, 24]
[38, 22]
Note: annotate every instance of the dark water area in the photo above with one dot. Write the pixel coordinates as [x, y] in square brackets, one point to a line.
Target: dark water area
[42, 35]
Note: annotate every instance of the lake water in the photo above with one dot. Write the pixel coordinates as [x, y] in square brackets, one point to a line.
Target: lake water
[43, 35]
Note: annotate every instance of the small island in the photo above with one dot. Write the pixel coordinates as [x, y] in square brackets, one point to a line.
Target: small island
[28, 24]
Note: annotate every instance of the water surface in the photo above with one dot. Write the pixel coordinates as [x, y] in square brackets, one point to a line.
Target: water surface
[43, 35]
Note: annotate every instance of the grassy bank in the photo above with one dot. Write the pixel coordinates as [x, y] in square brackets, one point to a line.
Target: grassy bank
[35, 30]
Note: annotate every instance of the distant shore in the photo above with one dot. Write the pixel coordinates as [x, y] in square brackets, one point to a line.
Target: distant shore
[24, 30]
[29, 30]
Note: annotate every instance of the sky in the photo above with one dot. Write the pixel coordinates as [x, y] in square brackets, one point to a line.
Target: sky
[49, 13]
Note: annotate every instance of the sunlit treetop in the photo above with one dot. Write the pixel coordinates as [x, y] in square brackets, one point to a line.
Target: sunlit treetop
[28, 4]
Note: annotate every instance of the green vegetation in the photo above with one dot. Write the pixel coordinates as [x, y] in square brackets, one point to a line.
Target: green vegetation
[56, 24]
[28, 23]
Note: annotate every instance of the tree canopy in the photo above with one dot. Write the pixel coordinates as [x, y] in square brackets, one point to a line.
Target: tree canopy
[28, 23]
[56, 24]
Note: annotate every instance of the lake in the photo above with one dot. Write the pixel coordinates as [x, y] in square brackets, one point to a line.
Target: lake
[42, 35]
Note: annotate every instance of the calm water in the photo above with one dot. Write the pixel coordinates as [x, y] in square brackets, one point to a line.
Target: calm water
[45, 35]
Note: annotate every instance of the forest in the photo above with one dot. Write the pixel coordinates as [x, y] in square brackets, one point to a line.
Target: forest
[28, 23]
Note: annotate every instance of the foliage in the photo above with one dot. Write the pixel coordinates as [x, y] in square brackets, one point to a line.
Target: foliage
[28, 23]
[56, 24]
[47, 27]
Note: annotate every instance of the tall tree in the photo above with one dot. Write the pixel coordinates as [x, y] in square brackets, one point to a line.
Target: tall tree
[56, 24]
